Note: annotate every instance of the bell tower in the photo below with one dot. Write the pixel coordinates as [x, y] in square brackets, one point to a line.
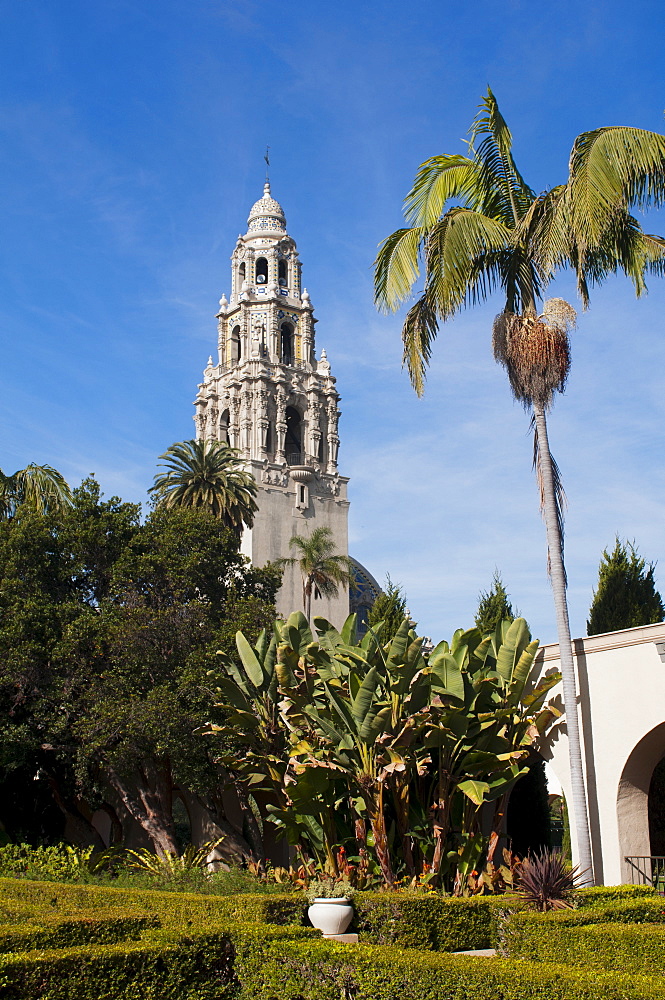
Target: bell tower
[268, 396]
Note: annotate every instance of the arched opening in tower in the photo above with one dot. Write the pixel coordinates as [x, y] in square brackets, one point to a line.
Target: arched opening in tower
[224, 428]
[242, 271]
[261, 271]
[236, 344]
[286, 344]
[293, 436]
[282, 273]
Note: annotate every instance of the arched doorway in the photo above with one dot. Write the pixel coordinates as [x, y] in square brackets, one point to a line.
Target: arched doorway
[293, 436]
[639, 813]
[657, 810]
[528, 818]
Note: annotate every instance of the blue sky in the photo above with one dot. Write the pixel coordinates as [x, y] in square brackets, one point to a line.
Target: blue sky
[132, 143]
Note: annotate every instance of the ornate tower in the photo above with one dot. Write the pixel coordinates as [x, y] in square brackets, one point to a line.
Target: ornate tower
[270, 398]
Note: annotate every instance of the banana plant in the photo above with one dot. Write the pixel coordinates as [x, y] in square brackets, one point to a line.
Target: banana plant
[379, 744]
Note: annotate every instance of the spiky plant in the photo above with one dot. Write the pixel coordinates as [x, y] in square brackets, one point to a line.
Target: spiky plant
[546, 881]
[172, 866]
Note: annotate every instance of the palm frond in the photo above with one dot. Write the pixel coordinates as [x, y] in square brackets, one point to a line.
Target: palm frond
[611, 170]
[40, 488]
[498, 173]
[397, 266]
[438, 180]
[418, 333]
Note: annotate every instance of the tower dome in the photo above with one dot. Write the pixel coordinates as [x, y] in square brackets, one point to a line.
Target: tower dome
[266, 214]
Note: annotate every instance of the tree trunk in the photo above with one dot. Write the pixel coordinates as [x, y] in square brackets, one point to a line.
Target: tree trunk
[377, 820]
[209, 824]
[558, 579]
[78, 823]
[148, 797]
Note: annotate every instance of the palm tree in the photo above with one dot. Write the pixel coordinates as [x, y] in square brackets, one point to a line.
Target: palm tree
[323, 572]
[207, 475]
[498, 234]
[40, 488]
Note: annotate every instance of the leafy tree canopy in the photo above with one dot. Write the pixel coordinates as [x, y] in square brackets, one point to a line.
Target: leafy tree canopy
[626, 594]
[107, 630]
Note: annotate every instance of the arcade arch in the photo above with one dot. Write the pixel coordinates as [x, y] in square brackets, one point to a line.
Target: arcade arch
[635, 837]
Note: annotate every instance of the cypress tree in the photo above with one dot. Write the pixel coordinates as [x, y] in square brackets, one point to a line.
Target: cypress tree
[493, 606]
[390, 606]
[626, 594]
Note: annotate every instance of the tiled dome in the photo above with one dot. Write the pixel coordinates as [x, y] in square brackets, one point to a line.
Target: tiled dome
[267, 213]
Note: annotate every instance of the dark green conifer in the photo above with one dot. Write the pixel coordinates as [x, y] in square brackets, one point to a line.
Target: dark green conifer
[626, 594]
[494, 606]
[390, 607]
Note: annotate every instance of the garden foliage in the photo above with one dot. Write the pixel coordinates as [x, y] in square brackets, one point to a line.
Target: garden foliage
[107, 626]
[375, 756]
[97, 942]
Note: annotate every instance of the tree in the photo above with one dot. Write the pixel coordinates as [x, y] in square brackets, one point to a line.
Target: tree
[107, 630]
[493, 606]
[323, 572]
[390, 608]
[208, 475]
[499, 234]
[39, 488]
[626, 595]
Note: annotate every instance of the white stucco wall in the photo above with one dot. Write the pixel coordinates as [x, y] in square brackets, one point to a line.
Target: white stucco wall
[621, 690]
[279, 518]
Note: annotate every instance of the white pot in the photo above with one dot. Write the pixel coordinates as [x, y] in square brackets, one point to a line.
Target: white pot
[331, 916]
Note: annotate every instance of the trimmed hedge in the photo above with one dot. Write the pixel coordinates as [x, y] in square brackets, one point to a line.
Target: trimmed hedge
[55, 932]
[625, 947]
[313, 970]
[602, 894]
[165, 966]
[530, 935]
[170, 907]
[437, 923]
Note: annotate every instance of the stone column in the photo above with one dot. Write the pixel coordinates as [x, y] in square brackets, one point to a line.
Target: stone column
[280, 426]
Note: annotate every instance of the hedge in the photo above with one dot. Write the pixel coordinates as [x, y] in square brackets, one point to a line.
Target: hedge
[170, 907]
[165, 966]
[55, 932]
[602, 894]
[626, 947]
[530, 935]
[322, 970]
[436, 923]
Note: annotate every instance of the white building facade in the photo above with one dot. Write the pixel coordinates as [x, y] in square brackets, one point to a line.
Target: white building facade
[268, 396]
[621, 694]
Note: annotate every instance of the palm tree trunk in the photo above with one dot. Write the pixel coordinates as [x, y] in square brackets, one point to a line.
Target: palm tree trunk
[558, 579]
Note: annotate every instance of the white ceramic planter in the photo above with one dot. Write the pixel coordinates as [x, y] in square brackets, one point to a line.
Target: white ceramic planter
[331, 916]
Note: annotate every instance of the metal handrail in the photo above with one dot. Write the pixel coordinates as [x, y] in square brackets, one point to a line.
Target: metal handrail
[296, 458]
[647, 869]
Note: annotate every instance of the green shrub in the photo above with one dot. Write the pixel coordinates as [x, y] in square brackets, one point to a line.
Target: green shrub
[626, 947]
[602, 894]
[197, 965]
[545, 936]
[58, 932]
[170, 907]
[322, 970]
[438, 923]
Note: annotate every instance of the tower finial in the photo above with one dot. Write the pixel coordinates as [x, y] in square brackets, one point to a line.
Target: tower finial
[267, 159]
